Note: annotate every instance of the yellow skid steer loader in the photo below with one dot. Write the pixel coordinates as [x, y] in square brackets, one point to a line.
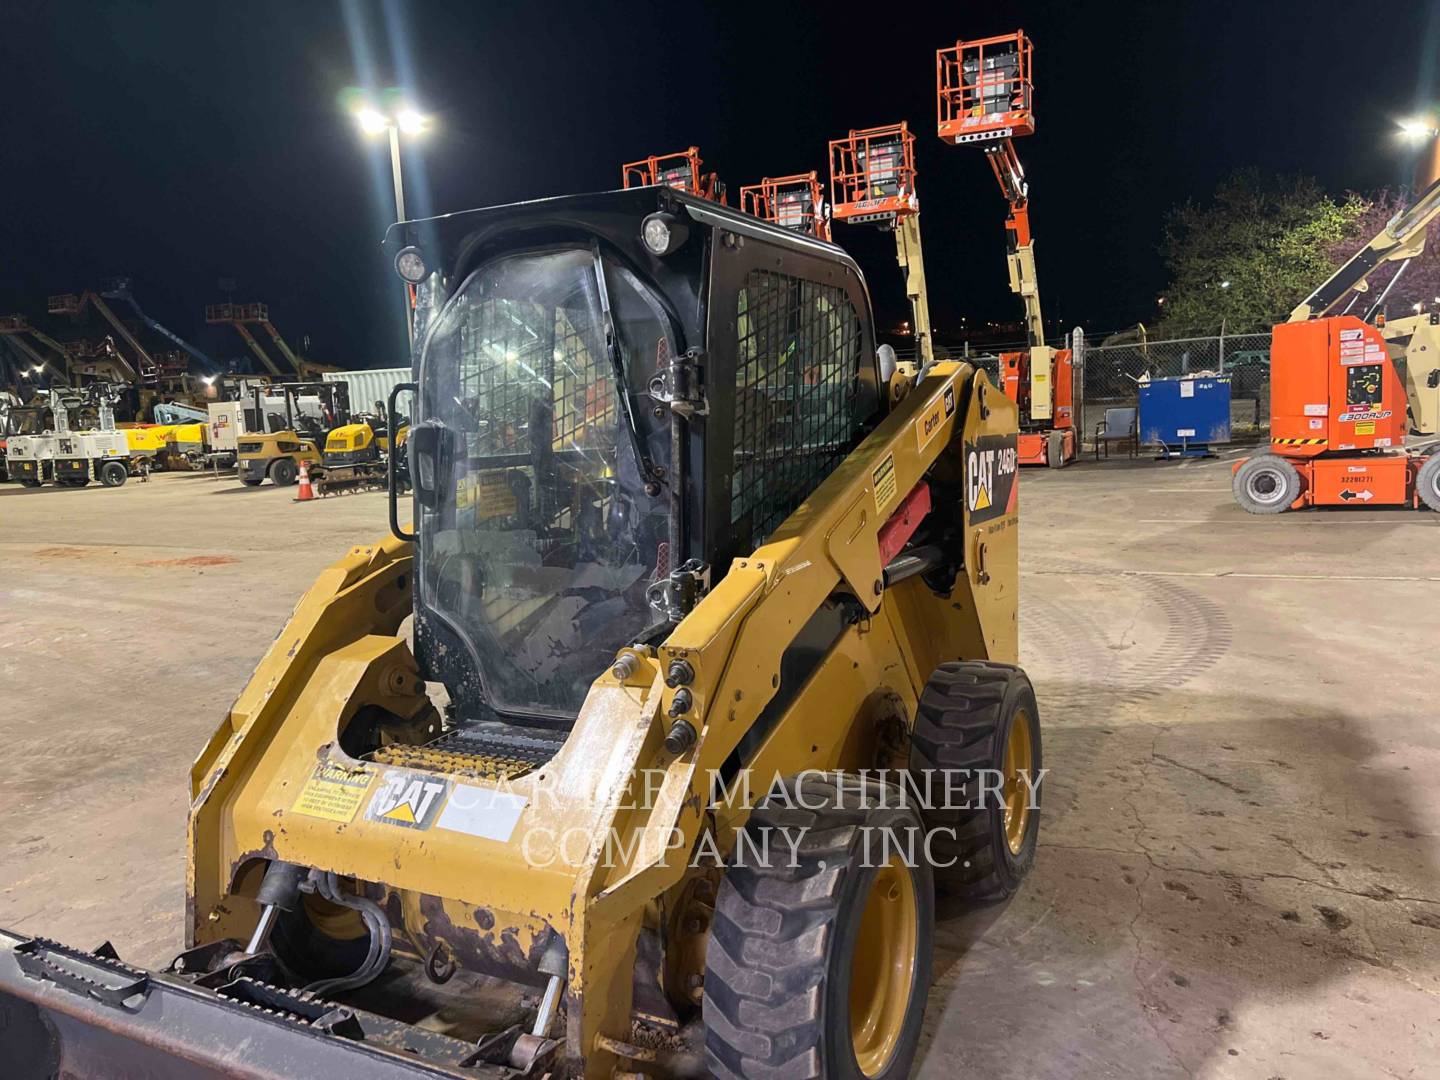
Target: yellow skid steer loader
[666, 723]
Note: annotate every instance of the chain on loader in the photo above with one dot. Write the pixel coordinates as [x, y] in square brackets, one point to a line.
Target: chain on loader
[630, 730]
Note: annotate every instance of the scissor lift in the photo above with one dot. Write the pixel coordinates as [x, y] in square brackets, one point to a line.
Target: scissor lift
[794, 202]
[872, 181]
[985, 94]
[682, 171]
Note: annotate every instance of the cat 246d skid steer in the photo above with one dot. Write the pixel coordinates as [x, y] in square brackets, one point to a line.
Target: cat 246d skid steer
[693, 685]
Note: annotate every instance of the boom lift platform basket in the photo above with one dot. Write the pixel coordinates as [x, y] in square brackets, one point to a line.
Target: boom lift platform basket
[872, 181]
[984, 89]
[681, 171]
[794, 202]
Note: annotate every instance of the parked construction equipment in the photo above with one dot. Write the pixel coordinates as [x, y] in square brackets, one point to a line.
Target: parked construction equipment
[673, 528]
[274, 444]
[1339, 406]
[795, 202]
[683, 171]
[20, 421]
[985, 95]
[872, 181]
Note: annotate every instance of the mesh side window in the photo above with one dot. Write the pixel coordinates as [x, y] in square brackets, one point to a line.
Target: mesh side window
[798, 403]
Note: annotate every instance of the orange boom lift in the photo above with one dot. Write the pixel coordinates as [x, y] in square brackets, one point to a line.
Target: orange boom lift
[681, 171]
[872, 181]
[794, 202]
[1338, 403]
[984, 94]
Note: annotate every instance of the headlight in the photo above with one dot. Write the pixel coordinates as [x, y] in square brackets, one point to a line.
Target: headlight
[662, 233]
[410, 266]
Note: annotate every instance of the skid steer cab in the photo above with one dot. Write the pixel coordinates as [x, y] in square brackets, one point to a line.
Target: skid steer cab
[711, 690]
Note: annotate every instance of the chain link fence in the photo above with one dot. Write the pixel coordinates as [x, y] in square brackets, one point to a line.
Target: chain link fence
[1108, 373]
[1109, 367]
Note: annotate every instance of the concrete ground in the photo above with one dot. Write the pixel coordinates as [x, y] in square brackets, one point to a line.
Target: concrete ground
[1238, 866]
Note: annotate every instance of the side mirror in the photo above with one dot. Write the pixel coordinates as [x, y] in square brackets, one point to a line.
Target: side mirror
[429, 446]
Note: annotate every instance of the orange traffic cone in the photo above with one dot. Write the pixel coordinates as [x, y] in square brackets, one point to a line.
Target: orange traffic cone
[305, 492]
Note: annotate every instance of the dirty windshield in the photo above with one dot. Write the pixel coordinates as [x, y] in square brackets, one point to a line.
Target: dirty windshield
[544, 541]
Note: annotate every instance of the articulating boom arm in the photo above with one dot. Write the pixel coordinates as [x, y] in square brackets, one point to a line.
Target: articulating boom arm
[1020, 253]
[1020, 260]
[1403, 237]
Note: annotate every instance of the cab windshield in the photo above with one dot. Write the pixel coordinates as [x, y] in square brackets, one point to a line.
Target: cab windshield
[543, 540]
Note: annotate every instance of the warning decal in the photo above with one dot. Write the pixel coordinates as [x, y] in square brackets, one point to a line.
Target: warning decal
[332, 792]
[882, 482]
[990, 473]
[407, 799]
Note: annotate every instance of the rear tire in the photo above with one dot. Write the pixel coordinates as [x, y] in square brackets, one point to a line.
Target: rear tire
[976, 715]
[113, 474]
[1427, 482]
[251, 480]
[819, 959]
[283, 472]
[1266, 484]
[31, 483]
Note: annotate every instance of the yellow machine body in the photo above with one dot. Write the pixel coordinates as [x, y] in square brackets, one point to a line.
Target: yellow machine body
[274, 784]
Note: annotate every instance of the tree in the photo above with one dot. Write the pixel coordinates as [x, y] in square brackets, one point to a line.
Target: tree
[1253, 252]
[1419, 284]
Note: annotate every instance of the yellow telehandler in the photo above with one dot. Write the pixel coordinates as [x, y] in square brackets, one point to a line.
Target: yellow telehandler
[692, 685]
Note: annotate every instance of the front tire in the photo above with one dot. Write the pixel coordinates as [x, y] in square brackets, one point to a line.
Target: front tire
[819, 959]
[977, 719]
[1266, 484]
[1427, 482]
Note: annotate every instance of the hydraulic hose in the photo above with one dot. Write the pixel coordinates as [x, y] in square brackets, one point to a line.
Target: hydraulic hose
[377, 957]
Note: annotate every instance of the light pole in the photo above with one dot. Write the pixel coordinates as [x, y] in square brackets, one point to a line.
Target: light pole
[412, 123]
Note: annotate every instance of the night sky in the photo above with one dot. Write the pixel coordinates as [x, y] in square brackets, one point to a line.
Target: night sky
[181, 143]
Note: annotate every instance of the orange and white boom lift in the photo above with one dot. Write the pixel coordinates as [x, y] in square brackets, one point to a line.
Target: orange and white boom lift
[682, 171]
[872, 181]
[1339, 407]
[794, 202]
[984, 94]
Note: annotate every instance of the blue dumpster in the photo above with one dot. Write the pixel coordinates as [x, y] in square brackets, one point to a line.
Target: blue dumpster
[1185, 417]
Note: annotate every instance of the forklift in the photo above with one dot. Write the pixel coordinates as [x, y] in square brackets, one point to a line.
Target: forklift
[984, 94]
[872, 181]
[1339, 405]
[794, 202]
[274, 446]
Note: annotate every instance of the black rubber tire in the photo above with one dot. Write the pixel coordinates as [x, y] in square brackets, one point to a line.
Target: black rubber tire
[1055, 450]
[778, 963]
[251, 480]
[1427, 482]
[283, 472]
[961, 726]
[1266, 484]
[31, 483]
[114, 473]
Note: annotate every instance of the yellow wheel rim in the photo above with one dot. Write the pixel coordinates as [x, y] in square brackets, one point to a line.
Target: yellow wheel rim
[1019, 759]
[883, 969]
[332, 920]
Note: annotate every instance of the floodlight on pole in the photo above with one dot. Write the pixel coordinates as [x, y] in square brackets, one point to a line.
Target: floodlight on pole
[1417, 129]
[412, 122]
